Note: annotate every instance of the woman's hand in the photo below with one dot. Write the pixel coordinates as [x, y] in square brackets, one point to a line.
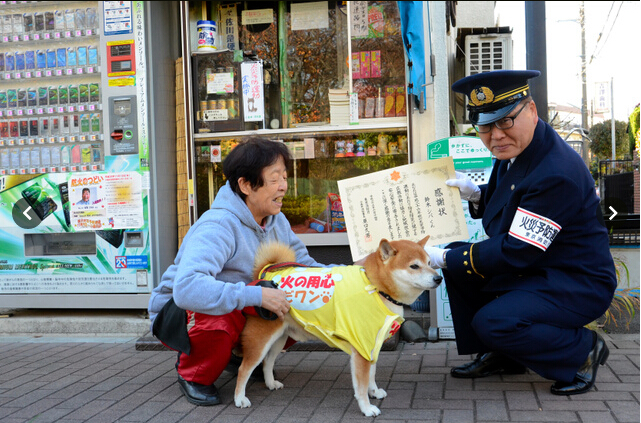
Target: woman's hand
[275, 301]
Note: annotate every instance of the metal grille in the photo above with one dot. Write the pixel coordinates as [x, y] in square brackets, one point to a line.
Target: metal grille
[485, 56]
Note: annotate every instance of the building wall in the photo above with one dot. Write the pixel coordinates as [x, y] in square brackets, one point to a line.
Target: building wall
[471, 14]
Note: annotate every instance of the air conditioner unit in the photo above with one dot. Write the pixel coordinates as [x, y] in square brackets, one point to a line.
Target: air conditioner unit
[487, 52]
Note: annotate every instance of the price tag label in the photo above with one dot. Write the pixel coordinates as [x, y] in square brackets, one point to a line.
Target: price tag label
[49, 109]
[48, 73]
[92, 107]
[25, 37]
[78, 33]
[19, 112]
[27, 74]
[57, 35]
[90, 69]
[80, 71]
[89, 32]
[67, 34]
[69, 71]
[81, 108]
[7, 75]
[38, 74]
[18, 75]
[30, 112]
[58, 72]
[72, 109]
[36, 36]
[9, 112]
[40, 110]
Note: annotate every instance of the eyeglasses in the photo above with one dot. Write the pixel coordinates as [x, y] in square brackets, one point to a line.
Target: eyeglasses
[504, 123]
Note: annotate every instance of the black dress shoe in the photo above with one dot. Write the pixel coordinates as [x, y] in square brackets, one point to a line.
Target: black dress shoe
[488, 364]
[199, 394]
[585, 377]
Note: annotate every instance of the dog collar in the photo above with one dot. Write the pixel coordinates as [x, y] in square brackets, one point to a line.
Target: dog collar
[390, 299]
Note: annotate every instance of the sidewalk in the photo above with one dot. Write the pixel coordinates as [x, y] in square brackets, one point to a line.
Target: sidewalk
[51, 379]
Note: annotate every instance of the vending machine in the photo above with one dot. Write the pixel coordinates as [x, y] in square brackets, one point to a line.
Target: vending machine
[78, 188]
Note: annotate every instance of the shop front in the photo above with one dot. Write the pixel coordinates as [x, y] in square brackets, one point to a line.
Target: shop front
[328, 79]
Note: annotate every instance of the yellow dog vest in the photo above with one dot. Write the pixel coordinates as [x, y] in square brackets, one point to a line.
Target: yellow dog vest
[338, 305]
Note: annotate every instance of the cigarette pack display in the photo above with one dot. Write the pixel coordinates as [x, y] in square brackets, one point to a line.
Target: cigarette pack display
[400, 101]
[21, 94]
[70, 20]
[65, 154]
[79, 19]
[55, 125]
[35, 156]
[18, 24]
[59, 20]
[39, 200]
[24, 157]
[4, 159]
[95, 122]
[82, 56]
[73, 94]
[63, 189]
[74, 124]
[71, 56]
[20, 64]
[27, 19]
[365, 64]
[24, 127]
[7, 24]
[13, 129]
[83, 93]
[63, 94]
[356, 65]
[76, 154]
[30, 59]
[12, 99]
[62, 57]
[55, 156]
[51, 58]
[1, 62]
[44, 127]
[92, 55]
[41, 59]
[33, 127]
[64, 124]
[9, 62]
[4, 129]
[90, 15]
[53, 95]
[45, 156]
[94, 92]
[39, 21]
[43, 96]
[50, 24]
[15, 158]
[84, 123]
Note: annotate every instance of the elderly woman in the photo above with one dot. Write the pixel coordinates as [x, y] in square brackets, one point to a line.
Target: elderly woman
[213, 267]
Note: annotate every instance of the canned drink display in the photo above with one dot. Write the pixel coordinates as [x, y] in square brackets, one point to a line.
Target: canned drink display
[232, 108]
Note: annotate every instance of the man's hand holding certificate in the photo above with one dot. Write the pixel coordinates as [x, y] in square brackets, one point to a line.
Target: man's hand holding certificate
[405, 202]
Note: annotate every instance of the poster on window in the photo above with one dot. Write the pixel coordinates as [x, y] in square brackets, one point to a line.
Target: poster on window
[252, 86]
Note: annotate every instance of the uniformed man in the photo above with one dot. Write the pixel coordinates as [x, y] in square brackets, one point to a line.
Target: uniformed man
[521, 298]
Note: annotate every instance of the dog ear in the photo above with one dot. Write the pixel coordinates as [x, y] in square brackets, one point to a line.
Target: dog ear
[423, 241]
[386, 250]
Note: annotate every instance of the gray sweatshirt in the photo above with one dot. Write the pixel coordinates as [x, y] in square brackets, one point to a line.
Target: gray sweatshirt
[216, 258]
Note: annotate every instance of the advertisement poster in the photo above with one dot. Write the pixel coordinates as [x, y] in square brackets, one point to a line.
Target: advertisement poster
[404, 202]
[106, 201]
[252, 86]
[60, 253]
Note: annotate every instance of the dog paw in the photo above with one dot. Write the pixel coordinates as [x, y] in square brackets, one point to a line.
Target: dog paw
[377, 393]
[371, 411]
[242, 402]
[274, 385]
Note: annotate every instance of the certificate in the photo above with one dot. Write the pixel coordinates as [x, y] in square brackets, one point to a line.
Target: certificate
[404, 202]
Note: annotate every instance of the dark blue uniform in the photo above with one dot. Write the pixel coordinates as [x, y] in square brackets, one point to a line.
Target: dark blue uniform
[546, 269]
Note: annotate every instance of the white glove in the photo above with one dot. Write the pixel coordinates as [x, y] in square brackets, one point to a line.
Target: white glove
[437, 257]
[469, 190]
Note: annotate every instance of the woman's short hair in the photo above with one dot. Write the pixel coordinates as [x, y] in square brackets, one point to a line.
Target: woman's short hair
[249, 158]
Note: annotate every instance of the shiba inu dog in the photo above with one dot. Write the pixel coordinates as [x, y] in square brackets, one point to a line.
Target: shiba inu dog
[353, 308]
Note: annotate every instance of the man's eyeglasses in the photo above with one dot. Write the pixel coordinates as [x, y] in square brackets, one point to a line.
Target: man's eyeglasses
[504, 123]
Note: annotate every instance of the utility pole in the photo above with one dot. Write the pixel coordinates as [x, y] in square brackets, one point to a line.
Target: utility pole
[584, 98]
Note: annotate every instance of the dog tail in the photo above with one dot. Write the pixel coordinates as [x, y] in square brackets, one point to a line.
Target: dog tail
[272, 253]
